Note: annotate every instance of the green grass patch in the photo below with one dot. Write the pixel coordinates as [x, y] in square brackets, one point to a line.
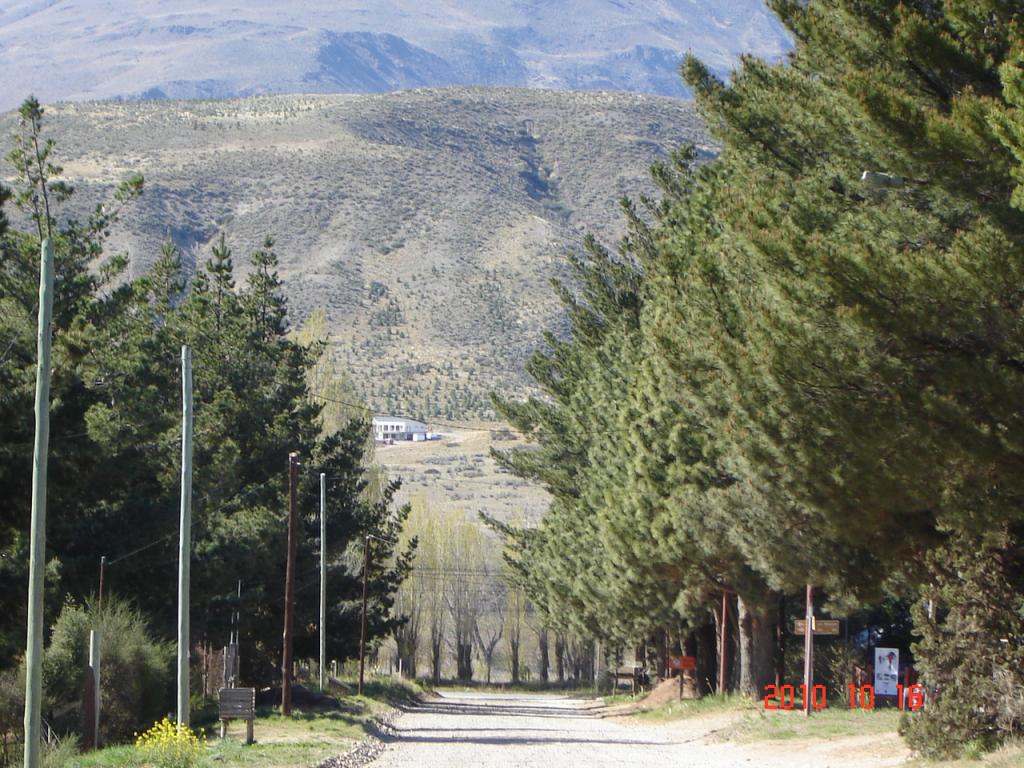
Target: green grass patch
[687, 708]
[1010, 755]
[759, 725]
[305, 738]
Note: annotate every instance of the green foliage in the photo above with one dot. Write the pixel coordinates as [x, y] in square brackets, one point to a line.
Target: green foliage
[135, 668]
[12, 716]
[816, 374]
[970, 651]
[115, 442]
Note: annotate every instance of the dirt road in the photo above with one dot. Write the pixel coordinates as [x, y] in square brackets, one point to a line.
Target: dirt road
[467, 730]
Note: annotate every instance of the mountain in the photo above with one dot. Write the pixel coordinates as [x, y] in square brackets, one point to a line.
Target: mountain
[427, 223]
[101, 49]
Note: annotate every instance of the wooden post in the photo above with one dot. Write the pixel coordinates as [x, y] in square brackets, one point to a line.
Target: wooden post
[37, 553]
[809, 650]
[103, 567]
[289, 584]
[362, 631]
[723, 656]
[94, 667]
[323, 580]
[185, 536]
[780, 639]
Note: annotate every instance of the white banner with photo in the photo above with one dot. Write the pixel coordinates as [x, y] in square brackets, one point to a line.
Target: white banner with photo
[887, 671]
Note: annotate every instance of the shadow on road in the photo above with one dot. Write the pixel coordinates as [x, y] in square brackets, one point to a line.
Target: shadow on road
[499, 731]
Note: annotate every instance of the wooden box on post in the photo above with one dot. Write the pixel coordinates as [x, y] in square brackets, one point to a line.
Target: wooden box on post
[237, 704]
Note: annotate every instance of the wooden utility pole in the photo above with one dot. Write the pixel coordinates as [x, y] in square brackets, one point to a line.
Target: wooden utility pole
[289, 583]
[366, 590]
[185, 535]
[809, 651]
[723, 656]
[37, 552]
[103, 567]
[323, 580]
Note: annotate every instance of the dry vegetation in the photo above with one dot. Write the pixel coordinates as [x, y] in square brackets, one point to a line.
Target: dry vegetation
[427, 223]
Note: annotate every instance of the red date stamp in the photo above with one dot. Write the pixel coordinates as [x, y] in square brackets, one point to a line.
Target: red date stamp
[863, 697]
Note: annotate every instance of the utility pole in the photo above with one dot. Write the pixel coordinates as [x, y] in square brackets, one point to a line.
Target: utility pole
[366, 589]
[37, 556]
[185, 535]
[809, 651]
[723, 657]
[323, 579]
[289, 583]
[94, 670]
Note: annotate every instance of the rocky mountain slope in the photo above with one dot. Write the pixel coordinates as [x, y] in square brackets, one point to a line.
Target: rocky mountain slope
[99, 49]
[426, 223]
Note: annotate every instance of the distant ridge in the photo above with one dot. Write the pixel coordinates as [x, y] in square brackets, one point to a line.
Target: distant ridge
[427, 223]
[145, 49]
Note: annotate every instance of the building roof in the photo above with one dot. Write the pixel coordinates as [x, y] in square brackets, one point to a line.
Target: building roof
[403, 419]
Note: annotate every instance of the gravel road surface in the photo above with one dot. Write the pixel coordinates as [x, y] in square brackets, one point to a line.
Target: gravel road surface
[466, 730]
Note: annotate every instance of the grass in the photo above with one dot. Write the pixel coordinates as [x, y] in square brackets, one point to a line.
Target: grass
[687, 708]
[305, 738]
[1010, 755]
[836, 722]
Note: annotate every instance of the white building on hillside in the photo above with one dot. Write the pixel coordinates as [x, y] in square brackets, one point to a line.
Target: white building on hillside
[387, 428]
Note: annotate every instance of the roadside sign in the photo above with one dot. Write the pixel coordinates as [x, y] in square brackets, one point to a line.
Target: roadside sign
[682, 662]
[887, 671]
[821, 626]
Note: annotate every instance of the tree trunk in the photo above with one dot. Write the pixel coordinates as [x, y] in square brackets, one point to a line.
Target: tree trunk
[464, 661]
[435, 661]
[661, 652]
[707, 668]
[543, 661]
[757, 648]
[514, 646]
[780, 643]
[691, 677]
[560, 656]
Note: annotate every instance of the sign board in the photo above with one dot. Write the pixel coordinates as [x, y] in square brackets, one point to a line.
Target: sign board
[887, 671]
[682, 662]
[821, 626]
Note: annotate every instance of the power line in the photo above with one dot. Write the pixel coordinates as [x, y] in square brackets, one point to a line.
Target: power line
[143, 548]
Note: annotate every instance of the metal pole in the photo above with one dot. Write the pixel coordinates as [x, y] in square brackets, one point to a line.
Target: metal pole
[94, 663]
[289, 584]
[37, 557]
[185, 535]
[723, 656]
[809, 651]
[366, 589]
[323, 577]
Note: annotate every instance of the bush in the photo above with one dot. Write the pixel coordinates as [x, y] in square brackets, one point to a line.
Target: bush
[135, 670]
[971, 655]
[12, 716]
[60, 753]
[167, 745]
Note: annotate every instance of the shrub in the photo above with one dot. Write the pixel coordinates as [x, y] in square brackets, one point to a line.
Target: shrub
[60, 753]
[970, 654]
[135, 669]
[12, 714]
[167, 745]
